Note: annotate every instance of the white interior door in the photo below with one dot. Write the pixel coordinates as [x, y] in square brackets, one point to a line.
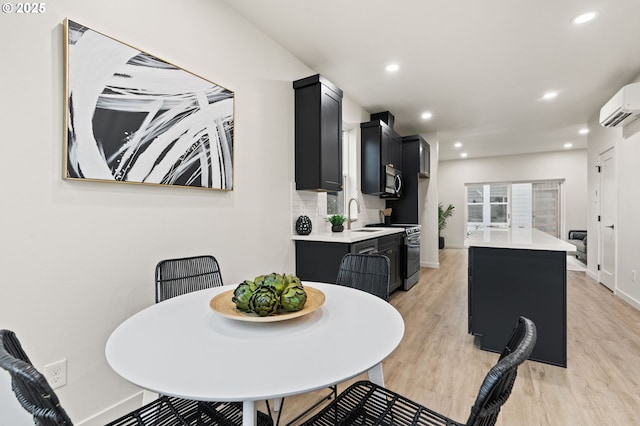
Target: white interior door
[608, 203]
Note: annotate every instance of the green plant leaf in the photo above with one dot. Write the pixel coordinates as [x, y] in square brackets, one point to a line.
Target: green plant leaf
[443, 215]
[337, 219]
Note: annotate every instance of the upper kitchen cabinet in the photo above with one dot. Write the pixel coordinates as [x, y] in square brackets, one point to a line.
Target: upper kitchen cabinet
[318, 134]
[424, 151]
[381, 152]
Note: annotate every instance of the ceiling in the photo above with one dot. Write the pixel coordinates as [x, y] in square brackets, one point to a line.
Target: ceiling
[480, 67]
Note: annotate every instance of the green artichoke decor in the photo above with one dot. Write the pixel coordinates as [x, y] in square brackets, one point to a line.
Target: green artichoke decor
[270, 294]
[293, 298]
[264, 301]
[242, 294]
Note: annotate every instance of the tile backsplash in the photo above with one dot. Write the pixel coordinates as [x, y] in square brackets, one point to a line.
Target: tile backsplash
[314, 205]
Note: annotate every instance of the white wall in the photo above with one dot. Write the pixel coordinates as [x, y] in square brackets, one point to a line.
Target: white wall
[428, 208]
[628, 234]
[568, 165]
[627, 152]
[78, 258]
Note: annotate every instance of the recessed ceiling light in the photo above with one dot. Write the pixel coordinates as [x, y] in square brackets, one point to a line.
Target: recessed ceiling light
[457, 144]
[568, 145]
[392, 67]
[549, 95]
[463, 154]
[585, 17]
[426, 115]
[583, 131]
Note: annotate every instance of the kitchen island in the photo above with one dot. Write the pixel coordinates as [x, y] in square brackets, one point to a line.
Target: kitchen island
[514, 272]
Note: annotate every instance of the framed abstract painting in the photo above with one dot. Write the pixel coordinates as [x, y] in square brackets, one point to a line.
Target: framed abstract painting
[132, 117]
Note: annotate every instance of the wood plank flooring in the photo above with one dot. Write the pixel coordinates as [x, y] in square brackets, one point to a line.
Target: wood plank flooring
[439, 365]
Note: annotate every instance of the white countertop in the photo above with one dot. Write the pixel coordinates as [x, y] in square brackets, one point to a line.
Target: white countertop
[517, 238]
[348, 236]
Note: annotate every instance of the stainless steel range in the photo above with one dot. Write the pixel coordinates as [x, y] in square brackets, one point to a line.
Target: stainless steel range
[409, 252]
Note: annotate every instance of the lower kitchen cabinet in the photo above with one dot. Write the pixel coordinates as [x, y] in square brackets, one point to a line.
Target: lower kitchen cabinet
[320, 261]
[390, 246]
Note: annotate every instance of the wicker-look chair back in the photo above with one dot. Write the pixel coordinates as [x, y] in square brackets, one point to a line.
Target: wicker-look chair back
[31, 388]
[498, 383]
[175, 277]
[365, 403]
[39, 399]
[367, 272]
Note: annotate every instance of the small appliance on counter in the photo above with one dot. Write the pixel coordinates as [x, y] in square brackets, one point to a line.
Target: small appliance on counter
[409, 252]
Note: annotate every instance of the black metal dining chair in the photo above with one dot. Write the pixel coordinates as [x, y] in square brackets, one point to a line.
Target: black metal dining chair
[365, 403]
[38, 398]
[366, 272]
[175, 277]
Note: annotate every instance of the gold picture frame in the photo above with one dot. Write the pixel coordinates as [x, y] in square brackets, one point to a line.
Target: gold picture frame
[134, 118]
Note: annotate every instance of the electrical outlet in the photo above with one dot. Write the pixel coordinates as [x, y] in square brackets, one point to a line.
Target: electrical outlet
[633, 275]
[56, 373]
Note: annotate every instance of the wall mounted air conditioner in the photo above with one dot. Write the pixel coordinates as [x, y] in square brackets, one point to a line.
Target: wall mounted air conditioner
[623, 108]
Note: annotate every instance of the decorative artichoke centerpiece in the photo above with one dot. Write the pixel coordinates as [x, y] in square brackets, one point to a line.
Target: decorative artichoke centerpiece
[270, 294]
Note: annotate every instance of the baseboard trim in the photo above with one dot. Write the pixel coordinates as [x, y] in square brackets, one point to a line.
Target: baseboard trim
[117, 410]
[630, 300]
[431, 265]
[454, 246]
[592, 275]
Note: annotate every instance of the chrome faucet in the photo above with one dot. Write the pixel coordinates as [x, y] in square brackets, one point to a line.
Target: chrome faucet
[349, 220]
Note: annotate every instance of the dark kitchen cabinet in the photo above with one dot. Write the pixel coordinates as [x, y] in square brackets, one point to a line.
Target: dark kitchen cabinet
[391, 148]
[504, 283]
[424, 151]
[390, 246]
[318, 134]
[380, 146]
[320, 261]
[415, 160]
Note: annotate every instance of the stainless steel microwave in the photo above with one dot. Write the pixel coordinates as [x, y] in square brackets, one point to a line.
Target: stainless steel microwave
[392, 182]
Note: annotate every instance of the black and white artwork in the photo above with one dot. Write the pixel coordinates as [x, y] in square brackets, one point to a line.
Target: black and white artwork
[132, 117]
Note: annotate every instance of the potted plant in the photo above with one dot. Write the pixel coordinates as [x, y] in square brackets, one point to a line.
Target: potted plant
[337, 221]
[443, 215]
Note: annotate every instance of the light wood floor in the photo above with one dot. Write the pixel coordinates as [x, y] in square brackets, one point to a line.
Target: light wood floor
[438, 364]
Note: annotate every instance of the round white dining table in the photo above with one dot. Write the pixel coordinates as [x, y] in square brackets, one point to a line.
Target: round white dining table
[181, 347]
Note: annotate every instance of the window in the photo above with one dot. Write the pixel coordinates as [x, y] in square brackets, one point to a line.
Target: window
[475, 204]
[522, 205]
[499, 203]
[487, 205]
[336, 200]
